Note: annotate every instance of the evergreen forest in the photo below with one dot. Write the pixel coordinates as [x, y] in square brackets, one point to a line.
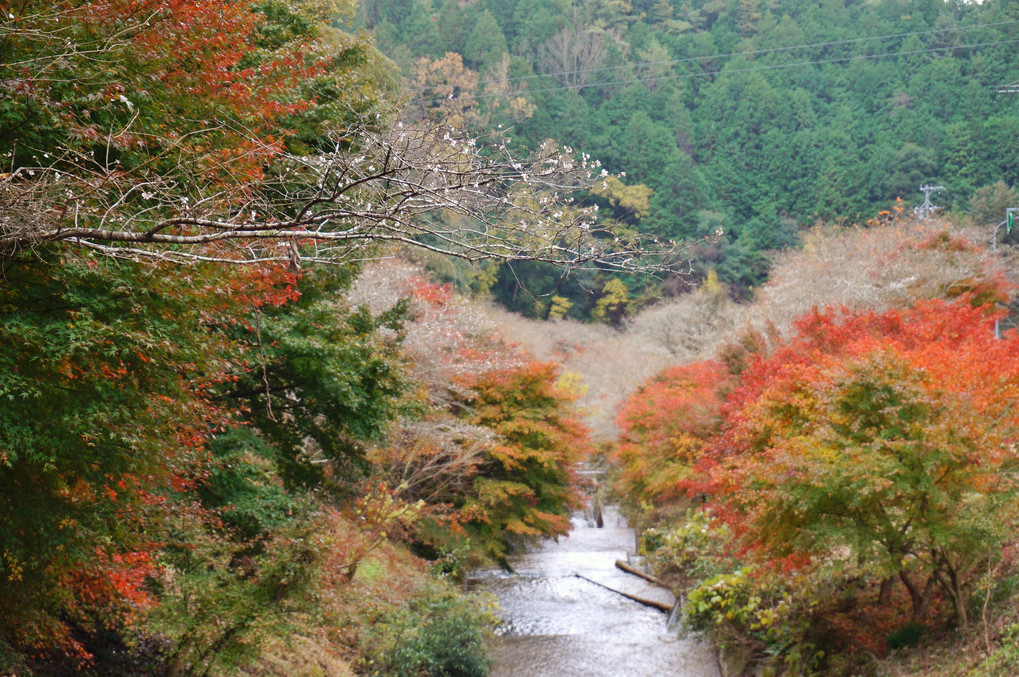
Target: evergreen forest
[754, 117]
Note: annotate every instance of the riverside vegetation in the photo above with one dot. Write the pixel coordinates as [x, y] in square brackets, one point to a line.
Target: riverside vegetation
[215, 455]
[840, 486]
[816, 473]
[253, 423]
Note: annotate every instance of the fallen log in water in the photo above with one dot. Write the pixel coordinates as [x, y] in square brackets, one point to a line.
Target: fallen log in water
[625, 566]
[661, 606]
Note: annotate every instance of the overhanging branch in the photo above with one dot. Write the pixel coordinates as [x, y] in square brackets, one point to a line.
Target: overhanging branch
[426, 187]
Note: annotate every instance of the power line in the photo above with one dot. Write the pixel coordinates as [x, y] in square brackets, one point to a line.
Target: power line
[748, 69]
[756, 52]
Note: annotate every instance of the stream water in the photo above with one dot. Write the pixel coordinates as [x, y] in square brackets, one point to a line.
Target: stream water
[556, 624]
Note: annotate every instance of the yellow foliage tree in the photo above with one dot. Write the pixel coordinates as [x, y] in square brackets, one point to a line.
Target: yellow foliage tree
[612, 305]
[635, 199]
[560, 306]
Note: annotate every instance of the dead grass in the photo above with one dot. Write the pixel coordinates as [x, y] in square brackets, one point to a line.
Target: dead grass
[612, 362]
[300, 657]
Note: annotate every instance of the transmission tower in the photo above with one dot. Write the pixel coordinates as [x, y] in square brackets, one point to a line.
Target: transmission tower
[927, 208]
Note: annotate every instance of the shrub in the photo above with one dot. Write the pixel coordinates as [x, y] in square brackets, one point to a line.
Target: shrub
[688, 548]
[908, 635]
[438, 634]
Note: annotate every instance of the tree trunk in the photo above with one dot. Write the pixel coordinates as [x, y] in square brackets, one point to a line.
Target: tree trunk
[948, 578]
[884, 597]
[661, 606]
[916, 595]
[620, 564]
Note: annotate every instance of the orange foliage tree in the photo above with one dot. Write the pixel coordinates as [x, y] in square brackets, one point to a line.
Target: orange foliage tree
[139, 92]
[491, 452]
[524, 486]
[666, 427]
[883, 443]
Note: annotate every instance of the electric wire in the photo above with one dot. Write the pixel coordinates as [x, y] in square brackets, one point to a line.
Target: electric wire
[755, 52]
[748, 69]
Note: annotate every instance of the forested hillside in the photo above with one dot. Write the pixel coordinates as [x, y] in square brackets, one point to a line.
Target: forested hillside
[221, 450]
[834, 487]
[752, 116]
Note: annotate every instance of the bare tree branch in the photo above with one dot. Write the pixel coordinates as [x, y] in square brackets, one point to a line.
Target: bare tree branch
[376, 188]
[571, 55]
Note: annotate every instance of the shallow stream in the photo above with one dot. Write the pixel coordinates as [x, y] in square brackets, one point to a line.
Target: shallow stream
[556, 624]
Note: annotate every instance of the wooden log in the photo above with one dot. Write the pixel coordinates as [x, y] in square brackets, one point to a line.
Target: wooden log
[625, 566]
[655, 604]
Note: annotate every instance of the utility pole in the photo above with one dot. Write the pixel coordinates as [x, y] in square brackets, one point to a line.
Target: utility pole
[927, 208]
[1012, 88]
[1008, 223]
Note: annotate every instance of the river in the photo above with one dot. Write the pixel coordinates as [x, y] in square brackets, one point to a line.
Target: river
[556, 624]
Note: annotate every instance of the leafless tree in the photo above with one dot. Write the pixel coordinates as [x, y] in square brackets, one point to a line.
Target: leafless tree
[571, 55]
[444, 330]
[611, 363]
[875, 268]
[450, 337]
[432, 459]
[56, 40]
[690, 326]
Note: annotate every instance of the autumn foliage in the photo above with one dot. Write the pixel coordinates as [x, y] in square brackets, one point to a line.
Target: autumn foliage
[208, 87]
[194, 457]
[857, 477]
[168, 449]
[666, 427]
[109, 381]
[894, 262]
[882, 439]
[494, 448]
[524, 487]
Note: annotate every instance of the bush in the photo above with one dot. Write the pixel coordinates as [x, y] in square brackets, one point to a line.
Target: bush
[438, 634]
[907, 635]
[756, 615]
[688, 548]
[1004, 661]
